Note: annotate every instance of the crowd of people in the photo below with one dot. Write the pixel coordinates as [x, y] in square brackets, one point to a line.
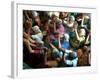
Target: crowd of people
[64, 37]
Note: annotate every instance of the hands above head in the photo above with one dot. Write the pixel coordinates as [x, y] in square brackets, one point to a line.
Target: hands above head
[30, 19]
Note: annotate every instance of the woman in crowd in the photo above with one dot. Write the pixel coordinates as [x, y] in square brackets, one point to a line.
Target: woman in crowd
[27, 37]
[33, 53]
[62, 34]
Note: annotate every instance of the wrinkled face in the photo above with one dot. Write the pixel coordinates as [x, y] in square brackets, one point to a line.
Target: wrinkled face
[82, 32]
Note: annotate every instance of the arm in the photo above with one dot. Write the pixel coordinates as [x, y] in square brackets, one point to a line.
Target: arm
[31, 40]
[26, 15]
[27, 43]
[82, 22]
[52, 46]
[33, 45]
[25, 35]
[59, 45]
[77, 36]
[54, 27]
[87, 39]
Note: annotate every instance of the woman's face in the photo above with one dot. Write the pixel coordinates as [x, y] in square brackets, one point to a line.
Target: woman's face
[82, 32]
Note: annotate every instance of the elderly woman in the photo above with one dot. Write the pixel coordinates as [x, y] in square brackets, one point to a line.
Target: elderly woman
[27, 37]
[81, 36]
[37, 33]
[32, 53]
[77, 36]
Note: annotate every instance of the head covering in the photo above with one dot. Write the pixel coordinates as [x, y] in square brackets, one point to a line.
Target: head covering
[35, 14]
[36, 29]
[72, 18]
[66, 37]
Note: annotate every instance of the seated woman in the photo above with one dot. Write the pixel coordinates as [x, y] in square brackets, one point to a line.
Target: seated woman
[52, 50]
[61, 50]
[26, 35]
[37, 33]
[69, 56]
[38, 36]
[77, 36]
[31, 52]
[81, 36]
